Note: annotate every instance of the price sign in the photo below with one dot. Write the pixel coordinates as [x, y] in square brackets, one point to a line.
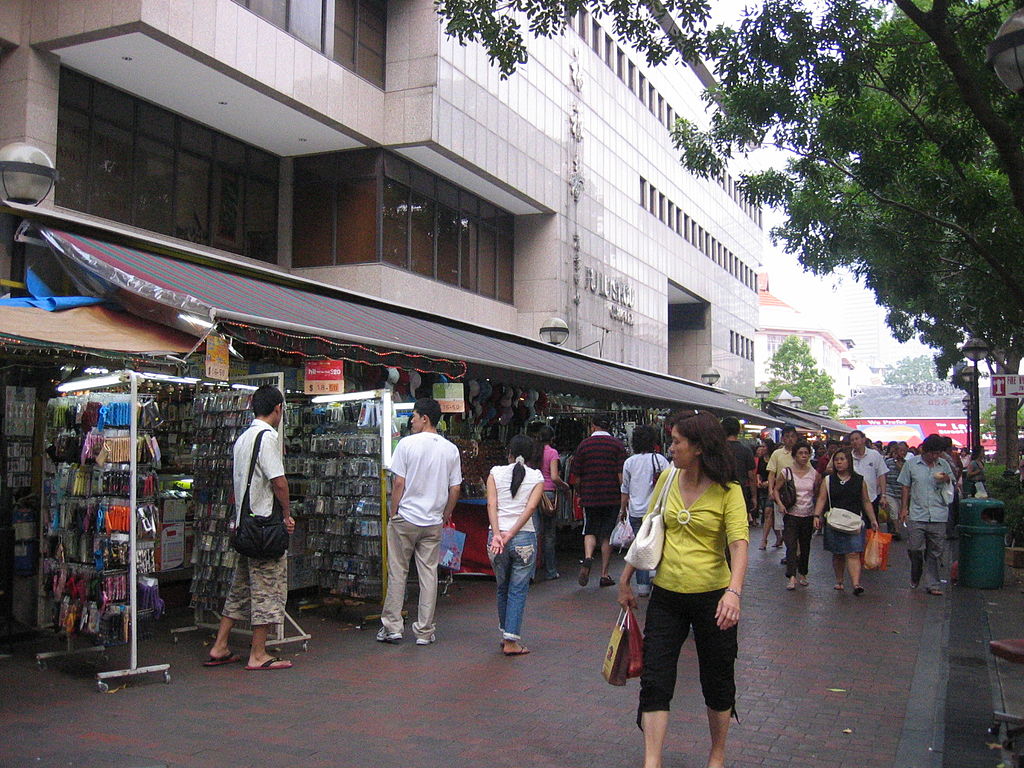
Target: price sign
[325, 377]
[452, 397]
[217, 360]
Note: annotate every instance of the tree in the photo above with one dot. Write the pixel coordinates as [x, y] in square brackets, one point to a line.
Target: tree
[793, 368]
[911, 370]
[907, 161]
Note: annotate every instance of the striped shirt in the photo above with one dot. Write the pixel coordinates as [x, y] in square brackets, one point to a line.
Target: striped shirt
[596, 466]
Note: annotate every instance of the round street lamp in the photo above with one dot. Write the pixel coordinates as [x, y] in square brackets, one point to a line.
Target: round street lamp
[762, 392]
[1005, 54]
[797, 402]
[974, 349]
[823, 410]
[966, 401]
[26, 174]
[555, 331]
[710, 376]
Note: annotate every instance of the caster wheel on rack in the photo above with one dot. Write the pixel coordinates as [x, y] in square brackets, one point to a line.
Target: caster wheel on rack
[102, 687]
[305, 646]
[174, 639]
[167, 676]
[42, 664]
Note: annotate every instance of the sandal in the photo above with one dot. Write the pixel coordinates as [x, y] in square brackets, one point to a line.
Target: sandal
[935, 591]
[607, 581]
[858, 590]
[762, 547]
[522, 650]
[584, 576]
[838, 587]
[803, 581]
[216, 661]
[270, 664]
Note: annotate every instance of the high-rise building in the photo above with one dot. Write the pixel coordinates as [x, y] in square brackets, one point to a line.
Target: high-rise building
[354, 143]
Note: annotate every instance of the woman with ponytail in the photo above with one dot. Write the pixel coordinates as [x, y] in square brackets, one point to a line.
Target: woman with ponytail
[513, 492]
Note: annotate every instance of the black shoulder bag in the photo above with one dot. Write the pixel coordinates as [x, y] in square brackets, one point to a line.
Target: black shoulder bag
[259, 538]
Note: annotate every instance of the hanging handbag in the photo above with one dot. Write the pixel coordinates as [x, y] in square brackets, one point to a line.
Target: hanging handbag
[839, 519]
[547, 505]
[622, 534]
[645, 552]
[623, 657]
[259, 538]
[787, 493]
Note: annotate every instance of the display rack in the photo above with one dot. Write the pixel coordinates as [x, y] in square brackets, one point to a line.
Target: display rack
[84, 522]
[218, 419]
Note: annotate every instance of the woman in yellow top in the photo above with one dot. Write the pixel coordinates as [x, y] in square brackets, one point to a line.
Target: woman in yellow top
[704, 513]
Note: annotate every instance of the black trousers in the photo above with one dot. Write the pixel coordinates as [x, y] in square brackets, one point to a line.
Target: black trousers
[670, 615]
[797, 532]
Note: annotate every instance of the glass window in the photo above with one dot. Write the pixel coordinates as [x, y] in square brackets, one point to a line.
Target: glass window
[228, 201]
[371, 41]
[274, 11]
[192, 199]
[110, 172]
[487, 261]
[306, 21]
[631, 76]
[468, 252]
[506, 275]
[641, 87]
[357, 221]
[260, 238]
[447, 244]
[313, 222]
[115, 107]
[196, 139]
[74, 90]
[395, 237]
[422, 234]
[73, 160]
[156, 122]
[154, 181]
[231, 153]
[596, 35]
[263, 163]
[345, 32]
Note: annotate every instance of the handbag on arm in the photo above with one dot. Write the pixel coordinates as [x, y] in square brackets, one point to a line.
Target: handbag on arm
[839, 519]
[259, 538]
[645, 552]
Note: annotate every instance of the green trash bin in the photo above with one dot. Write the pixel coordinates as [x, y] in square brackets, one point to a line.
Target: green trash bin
[981, 555]
[980, 511]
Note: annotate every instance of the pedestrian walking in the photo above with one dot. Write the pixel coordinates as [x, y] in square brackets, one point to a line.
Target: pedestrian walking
[426, 478]
[798, 524]
[597, 475]
[547, 532]
[704, 514]
[639, 475]
[259, 588]
[925, 509]
[514, 491]
[974, 473]
[744, 468]
[869, 464]
[893, 490]
[845, 489]
[761, 454]
[780, 458]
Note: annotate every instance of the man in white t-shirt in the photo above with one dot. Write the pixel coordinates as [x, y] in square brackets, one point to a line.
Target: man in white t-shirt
[259, 588]
[426, 477]
[870, 464]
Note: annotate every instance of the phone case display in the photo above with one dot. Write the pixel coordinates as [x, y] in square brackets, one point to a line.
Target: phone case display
[18, 426]
[219, 418]
[176, 430]
[87, 515]
[343, 502]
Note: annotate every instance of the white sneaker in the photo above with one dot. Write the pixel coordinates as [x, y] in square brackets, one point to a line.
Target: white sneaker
[383, 636]
[426, 640]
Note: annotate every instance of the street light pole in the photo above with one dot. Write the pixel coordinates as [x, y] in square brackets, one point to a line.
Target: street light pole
[975, 349]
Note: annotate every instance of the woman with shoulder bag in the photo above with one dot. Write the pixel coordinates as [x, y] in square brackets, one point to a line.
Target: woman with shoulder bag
[704, 512]
[544, 517]
[798, 523]
[640, 474]
[844, 489]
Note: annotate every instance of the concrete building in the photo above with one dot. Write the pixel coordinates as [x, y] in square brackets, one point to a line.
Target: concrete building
[354, 143]
[780, 320]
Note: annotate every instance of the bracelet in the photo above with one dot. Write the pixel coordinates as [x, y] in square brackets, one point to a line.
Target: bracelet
[730, 589]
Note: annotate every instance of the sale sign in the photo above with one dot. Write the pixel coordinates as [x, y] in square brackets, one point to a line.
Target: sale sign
[325, 377]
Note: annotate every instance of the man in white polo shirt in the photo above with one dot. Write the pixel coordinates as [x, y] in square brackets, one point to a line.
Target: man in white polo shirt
[869, 464]
[426, 477]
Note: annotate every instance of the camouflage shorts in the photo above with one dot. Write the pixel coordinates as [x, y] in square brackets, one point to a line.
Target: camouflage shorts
[259, 588]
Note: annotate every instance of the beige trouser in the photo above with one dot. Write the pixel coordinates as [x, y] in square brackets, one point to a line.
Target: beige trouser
[404, 540]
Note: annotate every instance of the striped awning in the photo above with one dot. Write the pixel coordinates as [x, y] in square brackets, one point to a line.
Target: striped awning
[285, 302]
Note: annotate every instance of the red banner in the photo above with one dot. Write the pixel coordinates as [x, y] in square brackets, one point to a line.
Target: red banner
[910, 431]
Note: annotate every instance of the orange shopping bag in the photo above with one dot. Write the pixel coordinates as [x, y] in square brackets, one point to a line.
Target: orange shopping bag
[876, 550]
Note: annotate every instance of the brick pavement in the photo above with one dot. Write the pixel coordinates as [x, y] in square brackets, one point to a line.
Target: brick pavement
[350, 701]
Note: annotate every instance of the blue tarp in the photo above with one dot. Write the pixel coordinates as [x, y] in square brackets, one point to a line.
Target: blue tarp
[43, 296]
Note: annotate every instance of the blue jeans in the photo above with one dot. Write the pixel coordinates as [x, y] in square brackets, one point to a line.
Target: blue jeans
[546, 537]
[512, 571]
[643, 578]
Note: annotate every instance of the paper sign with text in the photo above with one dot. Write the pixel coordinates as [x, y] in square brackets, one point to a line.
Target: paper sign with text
[325, 377]
[217, 360]
[452, 397]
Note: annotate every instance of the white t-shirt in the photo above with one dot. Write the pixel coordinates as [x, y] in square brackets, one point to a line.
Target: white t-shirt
[268, 466]
[511, 507]
[871, 466]
[639, 473]
[430, 465]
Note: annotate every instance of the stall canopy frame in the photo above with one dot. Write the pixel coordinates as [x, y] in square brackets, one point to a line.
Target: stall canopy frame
[275, 300]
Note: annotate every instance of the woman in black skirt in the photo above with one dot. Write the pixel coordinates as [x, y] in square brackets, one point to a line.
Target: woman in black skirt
[845, 489]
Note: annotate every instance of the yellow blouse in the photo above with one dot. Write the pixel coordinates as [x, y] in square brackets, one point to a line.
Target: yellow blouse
[693, 559]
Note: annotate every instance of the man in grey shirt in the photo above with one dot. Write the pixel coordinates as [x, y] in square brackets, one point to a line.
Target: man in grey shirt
[925, 480]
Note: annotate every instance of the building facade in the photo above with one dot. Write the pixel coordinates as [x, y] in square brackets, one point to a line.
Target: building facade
[779, 320]
[354, 143]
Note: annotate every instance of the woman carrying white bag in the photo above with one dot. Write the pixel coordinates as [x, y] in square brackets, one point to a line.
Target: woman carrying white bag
[699, 512]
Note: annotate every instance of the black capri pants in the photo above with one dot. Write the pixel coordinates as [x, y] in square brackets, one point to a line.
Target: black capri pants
[670, 615]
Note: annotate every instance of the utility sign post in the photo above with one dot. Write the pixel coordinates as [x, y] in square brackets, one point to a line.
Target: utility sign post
[1007, 385]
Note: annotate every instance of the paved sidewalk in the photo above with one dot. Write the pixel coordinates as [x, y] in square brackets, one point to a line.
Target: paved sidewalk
[825, 681]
